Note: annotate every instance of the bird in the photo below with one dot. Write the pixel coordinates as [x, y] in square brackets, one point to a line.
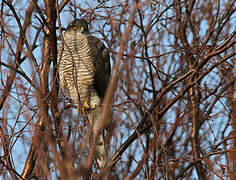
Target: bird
[84, 72]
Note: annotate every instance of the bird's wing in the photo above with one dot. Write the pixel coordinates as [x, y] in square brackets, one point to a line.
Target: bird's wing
[101, 64]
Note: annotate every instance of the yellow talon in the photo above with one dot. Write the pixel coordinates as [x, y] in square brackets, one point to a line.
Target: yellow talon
[83, 109]
[85, 106]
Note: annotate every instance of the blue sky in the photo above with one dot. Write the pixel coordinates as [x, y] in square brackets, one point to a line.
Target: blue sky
[20, 151]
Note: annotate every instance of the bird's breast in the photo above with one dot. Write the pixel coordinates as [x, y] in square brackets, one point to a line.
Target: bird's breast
[76, 64]
[80, 59]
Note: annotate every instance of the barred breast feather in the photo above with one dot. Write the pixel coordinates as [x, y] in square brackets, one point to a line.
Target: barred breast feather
[76, 67]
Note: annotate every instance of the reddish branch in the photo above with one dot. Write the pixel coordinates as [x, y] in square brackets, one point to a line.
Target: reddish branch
[49, 52]
[18, 52]
[146, 124]
[232, 153]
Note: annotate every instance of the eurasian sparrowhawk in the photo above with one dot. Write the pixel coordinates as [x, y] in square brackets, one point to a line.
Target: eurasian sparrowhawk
[84, 72]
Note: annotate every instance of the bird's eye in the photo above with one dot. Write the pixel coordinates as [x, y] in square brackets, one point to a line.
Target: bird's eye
[81, 29]
[75, 28]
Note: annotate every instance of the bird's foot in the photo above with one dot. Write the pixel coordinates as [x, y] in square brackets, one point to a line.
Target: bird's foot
[84, 107]
[86, 104]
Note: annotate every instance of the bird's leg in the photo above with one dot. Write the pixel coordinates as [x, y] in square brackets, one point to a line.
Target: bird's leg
[82, 109]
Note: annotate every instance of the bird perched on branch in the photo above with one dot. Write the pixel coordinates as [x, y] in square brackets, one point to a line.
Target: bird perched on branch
[84, 72]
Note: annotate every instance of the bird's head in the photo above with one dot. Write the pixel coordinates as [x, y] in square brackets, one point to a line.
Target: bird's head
[78, 25]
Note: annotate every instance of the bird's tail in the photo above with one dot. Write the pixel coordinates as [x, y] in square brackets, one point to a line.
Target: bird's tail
[101, 153]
